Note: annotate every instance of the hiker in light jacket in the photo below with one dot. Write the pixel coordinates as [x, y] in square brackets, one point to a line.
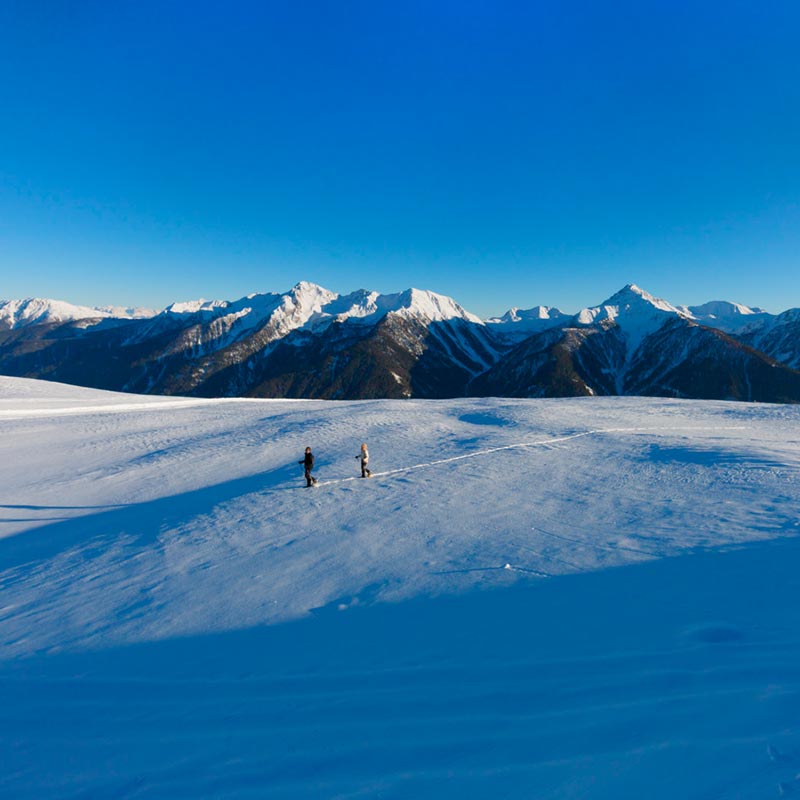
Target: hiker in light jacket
[363, 457]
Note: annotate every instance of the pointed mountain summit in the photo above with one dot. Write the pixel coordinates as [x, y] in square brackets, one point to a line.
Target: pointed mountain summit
[630, 304]
[631, 294]
[637, 313]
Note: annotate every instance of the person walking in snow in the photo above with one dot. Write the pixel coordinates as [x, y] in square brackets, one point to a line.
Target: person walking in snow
[363, 456]
[308, 463]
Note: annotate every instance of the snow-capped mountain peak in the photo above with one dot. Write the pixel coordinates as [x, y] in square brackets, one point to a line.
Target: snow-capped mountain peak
[301, 304]
[305, 294]
[632, 299]
[521, 314]
[423, 304]
[518, 323]
[42, 311]
[722, 308]
[301, 300]
[636, 312]
[369, 307]
[628, 307]
[300, 343]
[726, 316]
[188, 307]
[360, 305]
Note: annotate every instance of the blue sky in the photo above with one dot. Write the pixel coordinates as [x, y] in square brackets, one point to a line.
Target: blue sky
[504, 153]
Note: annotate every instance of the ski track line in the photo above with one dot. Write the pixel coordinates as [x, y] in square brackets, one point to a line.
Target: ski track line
[462, 457]
[539, 443]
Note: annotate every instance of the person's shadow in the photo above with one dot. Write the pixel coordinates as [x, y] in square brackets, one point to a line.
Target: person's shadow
[144, 520]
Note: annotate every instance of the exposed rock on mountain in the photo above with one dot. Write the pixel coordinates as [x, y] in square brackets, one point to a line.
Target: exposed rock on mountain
[311, 342]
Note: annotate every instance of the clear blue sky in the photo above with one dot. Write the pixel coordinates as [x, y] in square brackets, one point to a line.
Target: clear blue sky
[504, 153]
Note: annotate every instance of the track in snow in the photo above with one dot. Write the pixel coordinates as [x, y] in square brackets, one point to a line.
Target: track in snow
[518, 445]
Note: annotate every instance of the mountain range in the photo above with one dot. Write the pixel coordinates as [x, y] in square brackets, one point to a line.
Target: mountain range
[314, 343]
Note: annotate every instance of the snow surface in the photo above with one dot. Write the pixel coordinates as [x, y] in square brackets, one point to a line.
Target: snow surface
[452, 627]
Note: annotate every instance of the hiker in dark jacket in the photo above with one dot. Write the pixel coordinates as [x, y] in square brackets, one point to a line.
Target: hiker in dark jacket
[308, 463]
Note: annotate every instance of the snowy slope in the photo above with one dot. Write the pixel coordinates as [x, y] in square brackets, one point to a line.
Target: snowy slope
[149, 541]
[196, 460]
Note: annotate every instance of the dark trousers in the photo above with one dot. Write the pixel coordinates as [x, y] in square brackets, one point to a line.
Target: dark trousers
[364, 471]
[310, 479]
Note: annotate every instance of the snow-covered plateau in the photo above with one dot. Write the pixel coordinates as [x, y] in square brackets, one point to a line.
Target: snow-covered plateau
[567, 598]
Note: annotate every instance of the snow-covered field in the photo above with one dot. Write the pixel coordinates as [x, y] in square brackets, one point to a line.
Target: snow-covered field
[592, 598]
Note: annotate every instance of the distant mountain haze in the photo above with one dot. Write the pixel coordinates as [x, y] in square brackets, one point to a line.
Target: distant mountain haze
[311, 342]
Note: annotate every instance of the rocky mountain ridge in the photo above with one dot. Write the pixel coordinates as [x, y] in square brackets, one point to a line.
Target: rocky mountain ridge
[311, 342]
